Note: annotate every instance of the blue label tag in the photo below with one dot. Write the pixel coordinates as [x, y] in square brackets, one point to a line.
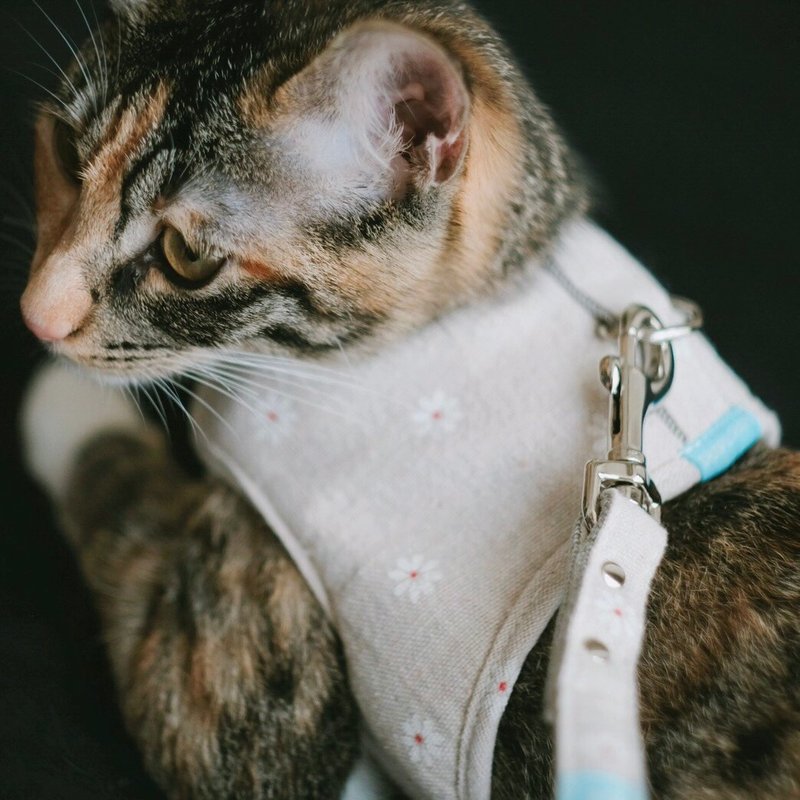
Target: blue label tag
[733, 434]
[597, 786]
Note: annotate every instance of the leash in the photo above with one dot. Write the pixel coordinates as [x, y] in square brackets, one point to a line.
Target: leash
[618, 545]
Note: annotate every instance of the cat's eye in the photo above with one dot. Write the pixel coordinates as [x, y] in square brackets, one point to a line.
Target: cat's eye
[193, 268]
[67, 151]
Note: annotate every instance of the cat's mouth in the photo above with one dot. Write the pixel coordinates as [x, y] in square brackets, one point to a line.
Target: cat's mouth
[128, 364]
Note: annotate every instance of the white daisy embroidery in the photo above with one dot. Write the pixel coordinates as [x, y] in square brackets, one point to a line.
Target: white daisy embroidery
[499, 685]
[414, 576]
[276, 418]
[437, 414]
[423, 741]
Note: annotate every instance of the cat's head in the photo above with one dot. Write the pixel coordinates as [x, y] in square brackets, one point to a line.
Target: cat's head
[306, 174]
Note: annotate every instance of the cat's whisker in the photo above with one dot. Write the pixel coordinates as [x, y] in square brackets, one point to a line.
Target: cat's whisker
[301, 370]
[75, 54]
[60, 69]
[99, 37]
[202, 375]
[268, 375]
[244, 383]
[96, 49]
[128, 392]
[68, 113]
[211, 410]
[169, 390]
[238, 373]
[150, 388]
[131, 394]
[51, 72]
[213, 383]
[233, 386]
[162, 412]
[157, 408]
[228, 385]
[273, 370]
[255, 359]
[119, 48]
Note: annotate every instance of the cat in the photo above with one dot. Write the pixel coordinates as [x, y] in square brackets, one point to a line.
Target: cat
[315, 177]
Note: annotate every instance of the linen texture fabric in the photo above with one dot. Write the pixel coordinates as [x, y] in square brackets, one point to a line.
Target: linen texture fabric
[428, 491]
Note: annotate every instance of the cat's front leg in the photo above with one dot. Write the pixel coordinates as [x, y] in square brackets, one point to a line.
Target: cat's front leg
[230, 677]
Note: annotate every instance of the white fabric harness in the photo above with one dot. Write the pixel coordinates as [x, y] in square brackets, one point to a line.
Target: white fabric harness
[428, 492]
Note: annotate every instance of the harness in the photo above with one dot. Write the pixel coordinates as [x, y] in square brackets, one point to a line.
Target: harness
[429, 492]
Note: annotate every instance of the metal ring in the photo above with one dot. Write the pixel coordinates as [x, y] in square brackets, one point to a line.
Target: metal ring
[693, 322]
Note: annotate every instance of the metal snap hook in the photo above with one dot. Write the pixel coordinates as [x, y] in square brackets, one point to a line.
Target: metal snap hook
[639, 375]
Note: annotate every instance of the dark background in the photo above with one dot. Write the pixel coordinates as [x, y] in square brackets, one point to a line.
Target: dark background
[685, 113]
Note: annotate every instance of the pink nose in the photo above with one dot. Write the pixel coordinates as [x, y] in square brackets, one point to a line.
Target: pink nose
[47, 332]
[54, 321]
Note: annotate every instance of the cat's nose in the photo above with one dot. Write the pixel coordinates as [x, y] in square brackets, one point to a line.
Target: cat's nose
[53, 311]
[47, 332]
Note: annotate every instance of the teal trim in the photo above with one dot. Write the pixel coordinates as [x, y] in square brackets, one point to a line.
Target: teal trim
[733, 434]
[597, 786]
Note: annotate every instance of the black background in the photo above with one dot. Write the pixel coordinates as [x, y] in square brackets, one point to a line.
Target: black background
[685, 112]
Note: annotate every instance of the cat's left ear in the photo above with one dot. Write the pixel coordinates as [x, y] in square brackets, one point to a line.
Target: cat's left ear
[395, 96]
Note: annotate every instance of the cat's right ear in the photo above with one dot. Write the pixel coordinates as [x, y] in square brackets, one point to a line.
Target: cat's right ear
[385, 99]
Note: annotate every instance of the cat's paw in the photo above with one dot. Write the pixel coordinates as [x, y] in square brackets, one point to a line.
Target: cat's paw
[62, 411]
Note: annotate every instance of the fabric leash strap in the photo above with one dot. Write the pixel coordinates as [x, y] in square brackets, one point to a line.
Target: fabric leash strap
[599, 751]
[618, 546]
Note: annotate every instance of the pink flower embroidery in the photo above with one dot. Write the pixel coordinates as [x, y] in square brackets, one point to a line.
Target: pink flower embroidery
[423, 741]
[276, 418]
[437, 414]
[415, 577]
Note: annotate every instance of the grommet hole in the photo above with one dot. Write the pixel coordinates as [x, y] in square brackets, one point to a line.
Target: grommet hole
[613, 574]
[596, 649]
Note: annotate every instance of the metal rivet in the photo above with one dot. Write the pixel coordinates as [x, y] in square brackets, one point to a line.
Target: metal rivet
[613, 574]
[597, 650]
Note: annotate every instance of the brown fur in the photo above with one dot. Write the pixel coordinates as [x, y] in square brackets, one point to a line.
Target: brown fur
[55, 194]
[718, 677]
[231, 678]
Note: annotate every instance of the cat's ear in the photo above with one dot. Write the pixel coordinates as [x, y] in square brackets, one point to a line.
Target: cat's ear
[407, 96]
[399, 97]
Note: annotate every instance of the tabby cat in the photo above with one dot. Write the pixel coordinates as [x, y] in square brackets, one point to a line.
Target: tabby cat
[318, 176]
